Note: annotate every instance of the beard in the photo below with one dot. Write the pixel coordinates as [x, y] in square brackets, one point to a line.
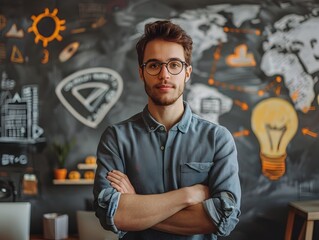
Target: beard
[160, 99]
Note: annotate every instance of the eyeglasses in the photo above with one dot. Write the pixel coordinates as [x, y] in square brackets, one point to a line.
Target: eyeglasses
[174, 67]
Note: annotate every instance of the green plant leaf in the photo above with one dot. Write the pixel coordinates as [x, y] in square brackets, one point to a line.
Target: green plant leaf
[62, 150]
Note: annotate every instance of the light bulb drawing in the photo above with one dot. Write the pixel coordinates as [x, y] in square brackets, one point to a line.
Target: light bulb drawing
[274, 122]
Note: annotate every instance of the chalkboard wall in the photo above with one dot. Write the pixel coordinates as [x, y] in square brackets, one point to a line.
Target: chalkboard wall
[68, 69]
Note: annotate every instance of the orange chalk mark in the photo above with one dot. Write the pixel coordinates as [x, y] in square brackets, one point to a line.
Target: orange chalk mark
[241, 57]
[211, 81]
[99, 23]
[257, 32]
[78, 30]
[244, 31]
[56, 32]
[294, 96]
[306, 131]
[278, 90]
[278, 79]
[16, 55]
[312, 108]
[45, 58]
[261, 92]
[69, 51]
[242, 105]
[217, 54]
[216, 57]
[241, 133]
[307, 109]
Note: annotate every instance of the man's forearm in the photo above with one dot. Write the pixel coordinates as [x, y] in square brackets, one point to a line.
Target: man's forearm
[138, 212]
[189, 221]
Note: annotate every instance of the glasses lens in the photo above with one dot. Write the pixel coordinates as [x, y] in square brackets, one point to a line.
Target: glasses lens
[154, 67]
[175, 67]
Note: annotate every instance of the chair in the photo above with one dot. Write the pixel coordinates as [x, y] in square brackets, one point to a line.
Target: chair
[309, 211]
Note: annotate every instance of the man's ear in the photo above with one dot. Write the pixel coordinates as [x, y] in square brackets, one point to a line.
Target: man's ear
[189, 70]
[140, 72]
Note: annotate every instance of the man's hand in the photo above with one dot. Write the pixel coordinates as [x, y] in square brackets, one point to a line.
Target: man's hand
[120, 182]
[164, 212]
[199, 193]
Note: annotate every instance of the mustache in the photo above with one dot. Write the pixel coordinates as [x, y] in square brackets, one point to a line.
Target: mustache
[167, 84]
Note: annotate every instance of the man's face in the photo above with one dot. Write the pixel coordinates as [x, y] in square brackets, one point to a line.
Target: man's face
[165, 88]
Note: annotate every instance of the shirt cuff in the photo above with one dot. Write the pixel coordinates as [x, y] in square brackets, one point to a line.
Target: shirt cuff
[223, 211]
[111, 198]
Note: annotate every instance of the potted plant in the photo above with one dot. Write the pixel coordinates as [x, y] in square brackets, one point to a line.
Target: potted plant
[62, 150]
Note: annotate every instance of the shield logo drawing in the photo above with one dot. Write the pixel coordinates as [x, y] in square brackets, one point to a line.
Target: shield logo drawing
[89, 94]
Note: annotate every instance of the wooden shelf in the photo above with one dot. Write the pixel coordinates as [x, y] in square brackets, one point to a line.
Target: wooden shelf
[84, 166]
[80, 166]
[73, 182]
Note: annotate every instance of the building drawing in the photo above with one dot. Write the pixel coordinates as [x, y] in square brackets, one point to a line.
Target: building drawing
[19, 118]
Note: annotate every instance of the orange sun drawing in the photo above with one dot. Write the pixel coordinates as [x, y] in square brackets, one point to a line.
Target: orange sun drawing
[55, 34]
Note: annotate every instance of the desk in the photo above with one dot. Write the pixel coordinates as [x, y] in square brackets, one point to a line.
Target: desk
[309, 211]
[40, 237]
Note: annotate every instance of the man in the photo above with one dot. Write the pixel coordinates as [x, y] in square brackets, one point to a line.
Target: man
[165, 173]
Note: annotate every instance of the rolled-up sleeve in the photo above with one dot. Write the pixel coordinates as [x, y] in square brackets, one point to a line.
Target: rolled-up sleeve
[107, 202]
[106, 198]
[224, 205]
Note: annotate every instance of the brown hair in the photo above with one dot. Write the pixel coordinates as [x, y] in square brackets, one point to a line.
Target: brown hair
[167, 31]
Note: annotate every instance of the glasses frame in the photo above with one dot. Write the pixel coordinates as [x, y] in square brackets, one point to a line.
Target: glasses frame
[166, 65]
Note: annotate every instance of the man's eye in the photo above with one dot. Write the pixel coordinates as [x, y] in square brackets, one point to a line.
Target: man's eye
[174, 64]
[154, 65]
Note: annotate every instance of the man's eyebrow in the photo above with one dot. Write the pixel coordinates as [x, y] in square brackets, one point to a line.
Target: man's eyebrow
[169, 59]
[153, 60]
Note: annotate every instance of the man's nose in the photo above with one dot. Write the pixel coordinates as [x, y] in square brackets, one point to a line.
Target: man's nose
[164, 73]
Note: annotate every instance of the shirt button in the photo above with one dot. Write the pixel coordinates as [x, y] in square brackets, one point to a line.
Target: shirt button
[152, 128]
[161, 128]
[162, 147]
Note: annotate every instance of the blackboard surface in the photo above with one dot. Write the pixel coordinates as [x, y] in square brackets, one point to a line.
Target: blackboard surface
[68, 69]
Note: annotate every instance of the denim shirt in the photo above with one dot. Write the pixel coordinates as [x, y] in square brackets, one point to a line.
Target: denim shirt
[156, 161]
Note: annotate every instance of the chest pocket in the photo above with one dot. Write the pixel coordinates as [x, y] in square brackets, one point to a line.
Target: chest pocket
[194, 173]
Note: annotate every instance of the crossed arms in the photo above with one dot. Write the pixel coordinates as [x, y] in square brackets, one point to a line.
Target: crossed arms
[192, 209]
[178, 212]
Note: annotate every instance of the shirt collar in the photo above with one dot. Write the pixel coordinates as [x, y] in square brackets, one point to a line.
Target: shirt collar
[183, 125]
